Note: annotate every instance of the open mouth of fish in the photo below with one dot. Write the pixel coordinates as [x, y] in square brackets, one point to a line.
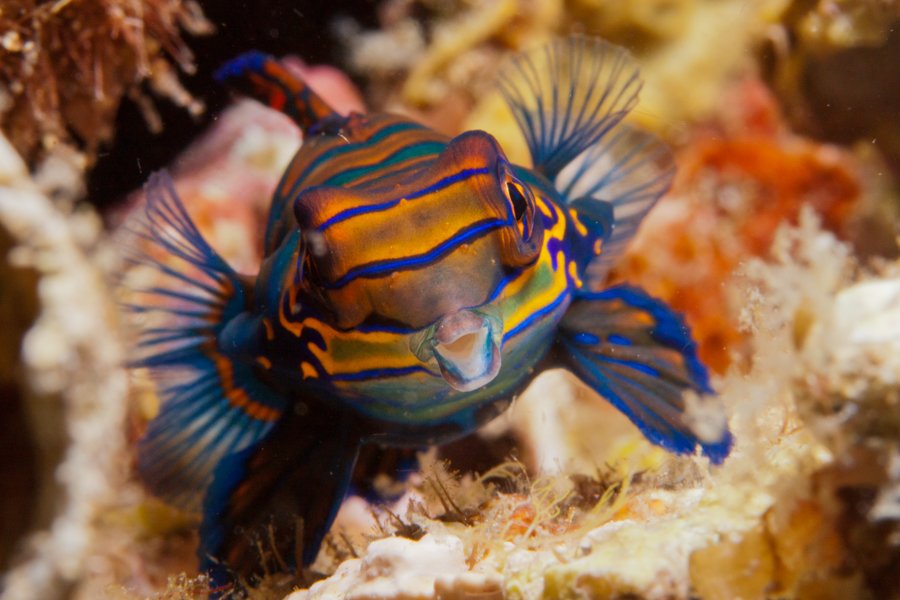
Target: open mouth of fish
[467, 349]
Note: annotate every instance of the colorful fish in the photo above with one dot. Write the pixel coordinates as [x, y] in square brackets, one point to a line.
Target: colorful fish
[412, 285]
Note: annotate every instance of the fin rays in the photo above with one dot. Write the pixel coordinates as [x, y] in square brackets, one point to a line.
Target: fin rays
[569, 99]
[637, 353]
[211, 406]
[630, 170]
[568, 95]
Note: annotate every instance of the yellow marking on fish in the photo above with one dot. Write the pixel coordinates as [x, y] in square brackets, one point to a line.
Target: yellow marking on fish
[542, 206]
[538, 289]
[573, 274]
[579, 226]
[352, 350]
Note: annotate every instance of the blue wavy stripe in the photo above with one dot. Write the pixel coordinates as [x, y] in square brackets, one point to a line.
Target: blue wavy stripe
[380, 373]
[535, 316]
[464, 235]
[409, 151]
[441, 184]
[337, 151]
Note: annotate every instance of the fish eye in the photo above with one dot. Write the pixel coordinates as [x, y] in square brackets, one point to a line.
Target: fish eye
[522, 207]
[523, 232]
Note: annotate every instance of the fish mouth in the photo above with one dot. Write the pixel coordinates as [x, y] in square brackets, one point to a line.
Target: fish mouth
[467, 350]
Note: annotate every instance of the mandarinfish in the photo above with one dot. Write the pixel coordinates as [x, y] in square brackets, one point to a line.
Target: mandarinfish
[412, 285]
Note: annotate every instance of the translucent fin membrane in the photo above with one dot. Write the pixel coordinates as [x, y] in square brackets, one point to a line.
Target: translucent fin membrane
[566, 96]
[638, 354]
[629, 169]
[210, 405]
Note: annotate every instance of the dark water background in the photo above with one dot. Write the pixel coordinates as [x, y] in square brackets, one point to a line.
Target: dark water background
[279, 27]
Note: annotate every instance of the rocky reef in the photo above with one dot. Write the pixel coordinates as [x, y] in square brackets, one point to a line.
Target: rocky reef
[779, 242]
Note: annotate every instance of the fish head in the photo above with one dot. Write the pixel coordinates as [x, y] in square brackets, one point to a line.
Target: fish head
[425, 252]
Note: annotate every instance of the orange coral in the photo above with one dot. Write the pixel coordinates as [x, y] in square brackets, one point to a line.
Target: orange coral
[738, 181]
[777, 177]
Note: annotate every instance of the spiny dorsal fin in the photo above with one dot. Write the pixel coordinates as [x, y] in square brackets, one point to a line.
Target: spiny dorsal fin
[566, 96]
[264, 78]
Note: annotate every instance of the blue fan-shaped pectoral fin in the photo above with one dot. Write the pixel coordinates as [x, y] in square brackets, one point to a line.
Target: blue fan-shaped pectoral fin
[270, 506]
[610, 188]
[639, 355]
[217, 410]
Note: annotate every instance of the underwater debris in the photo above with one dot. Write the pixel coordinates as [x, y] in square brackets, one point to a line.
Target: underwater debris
[65, 66]
[438, 56]
[844, 384]
[402, 568]
[852, 412]
[689, 50]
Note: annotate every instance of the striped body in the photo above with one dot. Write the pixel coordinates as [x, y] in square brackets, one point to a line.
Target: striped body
[412, 226]
[412, 284]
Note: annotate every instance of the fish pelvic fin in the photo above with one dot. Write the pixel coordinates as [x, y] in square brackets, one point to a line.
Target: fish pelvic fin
[270, 506]
[265, 79]
[179, 295]
[566, 96]
[639, 355]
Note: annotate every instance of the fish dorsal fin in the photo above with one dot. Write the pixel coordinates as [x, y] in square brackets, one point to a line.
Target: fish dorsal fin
[625, 173]
[179, 297]
[567, 95]
[264, 78]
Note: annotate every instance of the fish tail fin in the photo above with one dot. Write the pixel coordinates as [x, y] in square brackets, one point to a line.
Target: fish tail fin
[179, 296]
[638, 353]
[264, 78]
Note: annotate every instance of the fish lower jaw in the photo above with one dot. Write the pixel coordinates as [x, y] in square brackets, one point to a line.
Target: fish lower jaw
[468, 383]
[469, 361]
